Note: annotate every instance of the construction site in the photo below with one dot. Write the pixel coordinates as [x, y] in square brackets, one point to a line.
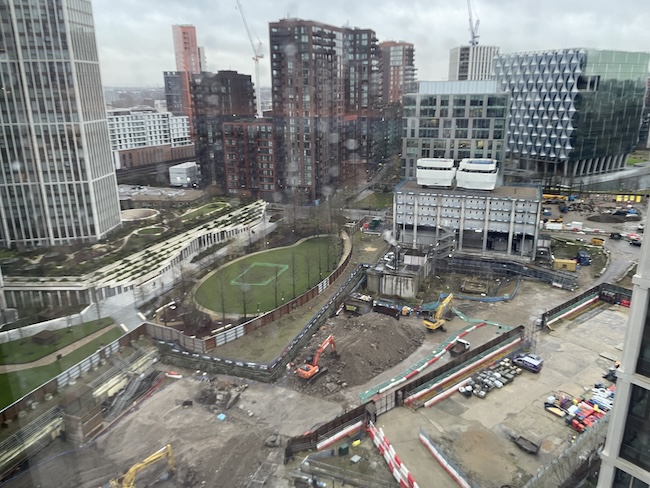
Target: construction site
[368, 392]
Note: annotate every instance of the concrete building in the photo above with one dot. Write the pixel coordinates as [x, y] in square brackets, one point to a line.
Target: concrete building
[573, 112]
[249, 154]
[626, 455]
[454, 119]
[471, 62]
[142, 136]
[502, 222]
[218, 98]
[326, 84]
[57, 183]
[398, 70]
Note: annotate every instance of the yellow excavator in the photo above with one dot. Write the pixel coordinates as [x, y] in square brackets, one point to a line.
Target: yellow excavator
[443, 313]
[128, 479]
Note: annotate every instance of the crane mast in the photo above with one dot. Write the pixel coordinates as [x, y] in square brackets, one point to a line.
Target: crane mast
[257, 55]
[473, 26]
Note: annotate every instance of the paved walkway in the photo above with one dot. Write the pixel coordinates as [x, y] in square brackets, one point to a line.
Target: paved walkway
[51, 358]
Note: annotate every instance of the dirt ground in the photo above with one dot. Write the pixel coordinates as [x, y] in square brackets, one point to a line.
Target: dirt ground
[208, 451]
[366, 346]
[372, 348]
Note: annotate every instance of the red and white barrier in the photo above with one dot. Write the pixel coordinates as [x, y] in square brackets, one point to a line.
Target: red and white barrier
[457, 477]
[436, 356]
[458, 374]
[395, 464]
[573, 310]
[339, 435]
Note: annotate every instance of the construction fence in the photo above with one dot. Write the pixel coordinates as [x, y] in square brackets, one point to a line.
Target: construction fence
[233, 332]
[39, 395]
[175, 354]
[605, 291]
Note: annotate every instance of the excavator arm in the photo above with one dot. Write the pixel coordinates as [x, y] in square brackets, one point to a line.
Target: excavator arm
[128, 480]
[442, 311]
[310, 369]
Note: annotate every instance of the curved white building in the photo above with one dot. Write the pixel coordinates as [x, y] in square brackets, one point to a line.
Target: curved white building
[477, 174]
[435, 172]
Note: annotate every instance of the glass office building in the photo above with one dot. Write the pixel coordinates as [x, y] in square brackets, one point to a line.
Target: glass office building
[453, 119]
[574, 112]
[57, 181]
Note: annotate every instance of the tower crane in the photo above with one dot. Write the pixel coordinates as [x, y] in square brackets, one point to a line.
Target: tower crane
[473, 26]
[257, 55]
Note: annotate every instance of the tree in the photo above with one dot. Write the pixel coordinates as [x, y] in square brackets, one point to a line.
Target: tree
[293, 272]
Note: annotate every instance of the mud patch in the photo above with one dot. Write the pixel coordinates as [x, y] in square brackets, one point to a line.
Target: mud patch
[366, 346]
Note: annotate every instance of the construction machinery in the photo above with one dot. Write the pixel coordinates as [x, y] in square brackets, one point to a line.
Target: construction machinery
[128, 479]
[311, 369]
[443, 313]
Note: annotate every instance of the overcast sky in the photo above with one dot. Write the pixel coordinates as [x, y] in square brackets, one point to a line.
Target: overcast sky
[135, 37]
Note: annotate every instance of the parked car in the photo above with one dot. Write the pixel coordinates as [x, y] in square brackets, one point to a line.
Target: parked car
[529, 362]
[636, 242]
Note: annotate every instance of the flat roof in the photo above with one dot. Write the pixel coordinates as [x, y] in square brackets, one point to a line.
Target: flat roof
[527, 192]
[149, 193]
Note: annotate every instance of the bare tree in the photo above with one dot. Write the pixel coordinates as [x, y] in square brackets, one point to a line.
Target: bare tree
[223, 300]
[293, 271]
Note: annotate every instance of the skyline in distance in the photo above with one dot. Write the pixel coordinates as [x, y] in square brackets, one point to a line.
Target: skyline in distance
[433, 27]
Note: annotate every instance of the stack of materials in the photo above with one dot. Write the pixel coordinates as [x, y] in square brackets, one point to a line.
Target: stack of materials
[496, 376]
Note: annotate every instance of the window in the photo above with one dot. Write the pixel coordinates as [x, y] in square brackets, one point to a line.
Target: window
[626, 480]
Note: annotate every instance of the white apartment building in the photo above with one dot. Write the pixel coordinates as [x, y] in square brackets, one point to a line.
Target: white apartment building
[138, 128]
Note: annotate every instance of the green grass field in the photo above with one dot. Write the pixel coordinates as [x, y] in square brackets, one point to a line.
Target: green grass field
[374, 201]
[204, 210]
[151, 230]
[26, 351]
[261, 281]
[15, 385]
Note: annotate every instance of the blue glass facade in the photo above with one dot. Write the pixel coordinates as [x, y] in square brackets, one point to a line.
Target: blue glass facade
[574, 112]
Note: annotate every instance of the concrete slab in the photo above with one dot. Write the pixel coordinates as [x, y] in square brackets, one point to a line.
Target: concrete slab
[477, 434]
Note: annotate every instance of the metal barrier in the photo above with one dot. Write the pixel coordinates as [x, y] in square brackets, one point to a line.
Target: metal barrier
[260, 371]
[466, 481]
[560, 470]
[618, 293]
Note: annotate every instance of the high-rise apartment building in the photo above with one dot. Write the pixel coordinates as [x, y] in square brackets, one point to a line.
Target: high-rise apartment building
[57, 182]
[472, 62]
[326, 94]
[249, 153]
[190, 60]
[626, 455]
[398, 70]
[573, 112]
[217, 98]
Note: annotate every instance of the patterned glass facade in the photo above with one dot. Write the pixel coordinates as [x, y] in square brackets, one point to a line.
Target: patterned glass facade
[574, 112]
[57, 181]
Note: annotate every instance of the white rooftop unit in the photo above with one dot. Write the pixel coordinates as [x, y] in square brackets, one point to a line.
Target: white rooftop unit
[477, 174]
[184, 174]
[435, 172]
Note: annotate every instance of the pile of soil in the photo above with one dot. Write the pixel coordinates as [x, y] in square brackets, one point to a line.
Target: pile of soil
[610, 218]
[366, 346]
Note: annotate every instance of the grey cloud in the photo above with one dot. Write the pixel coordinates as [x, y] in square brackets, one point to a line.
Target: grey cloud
[135, 40]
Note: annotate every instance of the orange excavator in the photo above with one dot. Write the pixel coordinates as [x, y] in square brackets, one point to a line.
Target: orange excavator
[311, 370]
